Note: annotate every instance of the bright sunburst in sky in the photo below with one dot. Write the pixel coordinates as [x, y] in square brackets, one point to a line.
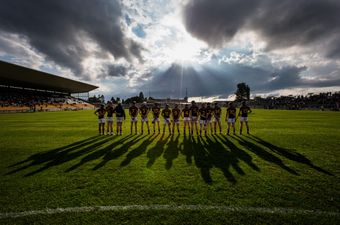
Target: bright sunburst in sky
[164, 47]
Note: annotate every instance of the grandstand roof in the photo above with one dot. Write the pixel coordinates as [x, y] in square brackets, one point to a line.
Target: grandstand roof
[19, 76]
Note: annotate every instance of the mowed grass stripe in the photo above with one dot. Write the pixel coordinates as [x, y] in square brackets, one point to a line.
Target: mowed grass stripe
[257, 210]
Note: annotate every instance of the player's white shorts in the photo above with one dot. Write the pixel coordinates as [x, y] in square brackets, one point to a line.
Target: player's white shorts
[217, 119]
[194, 118]
[120, 119]
[109, 119]
[134, 119]
[145, 119]
[176, 121]
[209, 121]
[101, 120]
[154, 120]
[166, 120]
[203, 122]
[231, 120]
[186, 119]
[243, 119]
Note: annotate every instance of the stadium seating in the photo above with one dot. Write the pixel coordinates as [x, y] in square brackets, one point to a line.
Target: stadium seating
[30, 101]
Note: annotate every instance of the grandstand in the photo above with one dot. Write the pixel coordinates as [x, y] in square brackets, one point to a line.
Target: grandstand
[321, 101]
[27, 90]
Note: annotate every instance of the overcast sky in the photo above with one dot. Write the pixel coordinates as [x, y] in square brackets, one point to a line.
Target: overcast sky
[164, 47]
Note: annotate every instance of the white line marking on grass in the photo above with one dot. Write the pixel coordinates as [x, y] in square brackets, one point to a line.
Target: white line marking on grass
[260, 210]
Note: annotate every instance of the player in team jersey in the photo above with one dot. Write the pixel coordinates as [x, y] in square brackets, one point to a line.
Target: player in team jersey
[243, 114]
[194, 116]
[166, 115]
[186, 118]
[101, 119]
[217, 117]
[156, 110]
[203, 119]
[210, 112]
[109, 118]
[176, 113]
[133, 112]
[120, 116]
[231, 117]
[144, 111]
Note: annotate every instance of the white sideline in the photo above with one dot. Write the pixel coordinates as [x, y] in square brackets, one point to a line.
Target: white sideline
[261, 210]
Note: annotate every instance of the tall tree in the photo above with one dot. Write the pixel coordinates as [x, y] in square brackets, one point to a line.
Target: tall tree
[141, 96]
[242, 92]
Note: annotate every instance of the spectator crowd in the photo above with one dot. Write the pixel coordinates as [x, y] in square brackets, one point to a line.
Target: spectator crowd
[322, 101]
[37, 101]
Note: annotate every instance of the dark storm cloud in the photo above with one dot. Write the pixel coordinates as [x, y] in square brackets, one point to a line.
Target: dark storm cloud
[58, 28]
[286, 77]
[222, 80]
[281, 23]
[207, 81]
[117, 70]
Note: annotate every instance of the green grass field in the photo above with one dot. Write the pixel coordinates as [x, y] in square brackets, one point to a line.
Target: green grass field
[57, 160]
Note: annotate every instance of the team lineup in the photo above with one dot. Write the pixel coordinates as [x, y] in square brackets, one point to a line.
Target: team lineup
[195, 119]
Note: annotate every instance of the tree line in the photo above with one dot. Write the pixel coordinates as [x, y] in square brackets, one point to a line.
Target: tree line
[242, 93]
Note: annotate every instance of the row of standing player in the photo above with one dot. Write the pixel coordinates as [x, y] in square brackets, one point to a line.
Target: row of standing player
[109, 111]
[207, 116]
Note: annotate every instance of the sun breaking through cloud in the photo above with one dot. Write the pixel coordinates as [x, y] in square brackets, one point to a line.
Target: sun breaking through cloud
[164, 47]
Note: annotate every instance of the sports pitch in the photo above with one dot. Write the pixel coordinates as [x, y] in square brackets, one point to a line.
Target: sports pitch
[286, 172]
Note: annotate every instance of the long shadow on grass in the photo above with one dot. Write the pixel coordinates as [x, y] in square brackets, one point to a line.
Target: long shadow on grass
[201, 158]
[288, 153]
[236, 152]
[102, 152]
[186, 148]
[112, 152]
[215, 151]
[41, 157]
[156, 151]
[171, 151]
[263, 154]
[138, 151]
[61, 155]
